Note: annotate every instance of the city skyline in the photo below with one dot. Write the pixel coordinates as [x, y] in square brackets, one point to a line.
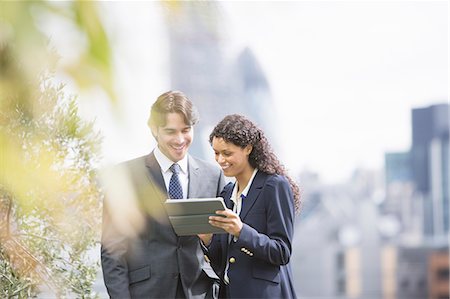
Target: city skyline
[344, 76]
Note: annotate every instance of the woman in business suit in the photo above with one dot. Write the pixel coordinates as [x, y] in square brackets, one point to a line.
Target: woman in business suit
[253, 258]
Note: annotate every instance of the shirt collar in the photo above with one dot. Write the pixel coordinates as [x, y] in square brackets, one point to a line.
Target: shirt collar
[247, 188]
[165, 162]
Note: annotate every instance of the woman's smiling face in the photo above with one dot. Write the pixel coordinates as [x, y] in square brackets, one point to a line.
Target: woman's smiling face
[232, 159]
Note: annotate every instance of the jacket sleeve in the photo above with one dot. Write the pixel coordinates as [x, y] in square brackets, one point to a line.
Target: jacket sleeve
[114, 265]
[275, 246]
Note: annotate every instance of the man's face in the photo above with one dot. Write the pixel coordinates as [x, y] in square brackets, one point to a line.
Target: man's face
[175, 137]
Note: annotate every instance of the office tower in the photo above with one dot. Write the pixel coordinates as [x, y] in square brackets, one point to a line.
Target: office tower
[397, 167]
[430, 165]
[401, 200]
[218, 84]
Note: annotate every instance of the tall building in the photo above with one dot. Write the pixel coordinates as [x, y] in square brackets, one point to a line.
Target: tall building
[430, 166]
[397, 167]
[217, 84]
[401, 200]
[411, 272]
[429, 124]
[337, 245]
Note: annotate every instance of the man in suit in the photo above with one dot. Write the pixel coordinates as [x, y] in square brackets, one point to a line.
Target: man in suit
[153, 262]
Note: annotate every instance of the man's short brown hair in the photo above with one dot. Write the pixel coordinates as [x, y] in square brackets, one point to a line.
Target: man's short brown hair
[170, 102]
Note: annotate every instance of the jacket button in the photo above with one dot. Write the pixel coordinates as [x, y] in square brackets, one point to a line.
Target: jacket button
[232, 260]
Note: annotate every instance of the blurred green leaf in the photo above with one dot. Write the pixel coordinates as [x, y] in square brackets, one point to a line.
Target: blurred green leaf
[50, 204]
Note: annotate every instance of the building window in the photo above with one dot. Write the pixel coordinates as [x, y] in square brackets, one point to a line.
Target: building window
[341, 285]
[404, 284]
[443, 274]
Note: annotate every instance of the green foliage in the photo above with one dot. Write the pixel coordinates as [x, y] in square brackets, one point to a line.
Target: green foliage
[92, 67]
[51, 227]
[50, 204]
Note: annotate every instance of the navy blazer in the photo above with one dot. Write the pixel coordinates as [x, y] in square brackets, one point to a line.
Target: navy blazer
[259, 259]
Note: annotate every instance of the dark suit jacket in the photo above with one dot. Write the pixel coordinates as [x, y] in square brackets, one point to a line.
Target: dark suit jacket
[150, 264]
[258, 260]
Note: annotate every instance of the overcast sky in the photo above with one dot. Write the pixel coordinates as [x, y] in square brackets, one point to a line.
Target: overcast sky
[344, 75]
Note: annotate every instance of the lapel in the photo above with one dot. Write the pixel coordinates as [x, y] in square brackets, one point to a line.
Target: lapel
[227, 197]
[225, 237]
[253, 193]
[194, 178]
[154, 174]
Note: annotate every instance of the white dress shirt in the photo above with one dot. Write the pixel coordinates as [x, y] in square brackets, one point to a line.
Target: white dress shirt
[165, 164]
[237, 200]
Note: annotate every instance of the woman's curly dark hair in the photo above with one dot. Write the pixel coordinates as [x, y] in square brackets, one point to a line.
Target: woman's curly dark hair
[241, 131]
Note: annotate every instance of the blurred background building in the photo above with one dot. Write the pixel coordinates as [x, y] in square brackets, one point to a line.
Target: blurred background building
[430, 165]
[381, 235]
[218, 85]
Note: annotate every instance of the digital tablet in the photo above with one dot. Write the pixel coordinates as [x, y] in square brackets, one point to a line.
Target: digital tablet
[190, 216]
